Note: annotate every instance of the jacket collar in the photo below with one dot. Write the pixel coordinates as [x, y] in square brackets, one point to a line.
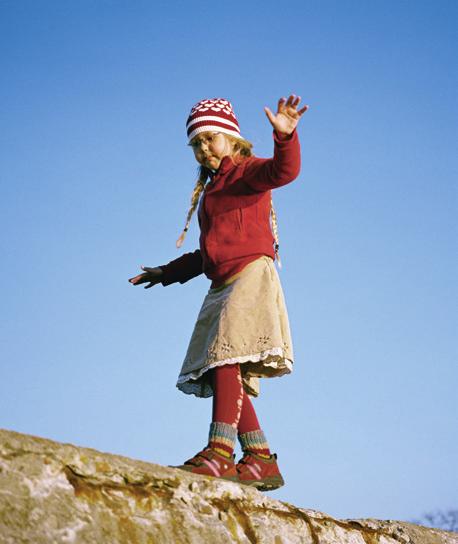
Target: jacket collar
[226, 164]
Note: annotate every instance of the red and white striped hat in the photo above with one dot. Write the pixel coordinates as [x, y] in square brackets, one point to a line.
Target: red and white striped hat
[212, 115]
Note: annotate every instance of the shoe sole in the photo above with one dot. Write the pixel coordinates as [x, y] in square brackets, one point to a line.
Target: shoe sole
[190, 471]
[268, 484]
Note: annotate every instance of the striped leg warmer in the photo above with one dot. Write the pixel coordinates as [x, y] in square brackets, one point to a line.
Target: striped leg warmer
[255, 441]
[222, 438]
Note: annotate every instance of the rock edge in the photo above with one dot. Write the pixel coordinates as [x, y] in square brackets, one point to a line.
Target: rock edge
[60, 493]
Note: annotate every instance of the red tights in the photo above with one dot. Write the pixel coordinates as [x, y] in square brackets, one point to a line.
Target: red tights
[231, 404]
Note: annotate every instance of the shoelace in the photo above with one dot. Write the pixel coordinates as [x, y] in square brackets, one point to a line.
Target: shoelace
[245, 458]
[194, 460]
[201, 455]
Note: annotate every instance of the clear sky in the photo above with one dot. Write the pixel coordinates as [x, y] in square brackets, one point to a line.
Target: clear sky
[96, 179]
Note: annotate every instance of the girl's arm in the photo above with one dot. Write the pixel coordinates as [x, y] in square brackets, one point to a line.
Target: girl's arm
[266, 174]
[181, 270]
[284, 167]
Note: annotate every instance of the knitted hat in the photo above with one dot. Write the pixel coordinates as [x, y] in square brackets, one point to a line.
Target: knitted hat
[212, 115]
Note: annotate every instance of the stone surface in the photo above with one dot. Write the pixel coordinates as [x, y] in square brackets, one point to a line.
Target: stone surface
[52, 493]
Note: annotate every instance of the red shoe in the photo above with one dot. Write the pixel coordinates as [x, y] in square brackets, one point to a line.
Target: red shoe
[259, 472]
[211, 463]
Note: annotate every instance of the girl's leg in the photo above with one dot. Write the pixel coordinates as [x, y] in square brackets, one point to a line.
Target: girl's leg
[251, 437]
[216, 459]
[227, 407]
[232, 410]
[258, 467]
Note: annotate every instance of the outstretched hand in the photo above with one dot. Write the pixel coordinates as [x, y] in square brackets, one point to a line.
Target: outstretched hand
[152, 276]
[287, 116]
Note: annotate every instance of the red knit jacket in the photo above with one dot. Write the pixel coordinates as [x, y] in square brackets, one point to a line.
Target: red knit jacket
[234, 215]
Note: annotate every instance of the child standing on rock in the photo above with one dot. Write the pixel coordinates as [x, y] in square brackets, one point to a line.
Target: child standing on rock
[242, 331]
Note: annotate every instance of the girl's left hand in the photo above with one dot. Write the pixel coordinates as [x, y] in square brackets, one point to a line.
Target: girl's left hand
[151, 276]
[288, 116]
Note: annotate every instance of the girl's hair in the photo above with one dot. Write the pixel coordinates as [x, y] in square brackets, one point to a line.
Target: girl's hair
[241, 150]
[204, 174]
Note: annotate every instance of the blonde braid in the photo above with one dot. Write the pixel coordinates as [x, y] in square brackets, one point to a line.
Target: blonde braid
[273, 217]
[198, 189]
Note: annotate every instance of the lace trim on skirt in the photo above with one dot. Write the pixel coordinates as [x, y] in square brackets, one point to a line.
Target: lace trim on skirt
[273, 358]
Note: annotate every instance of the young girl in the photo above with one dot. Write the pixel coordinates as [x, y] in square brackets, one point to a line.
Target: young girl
[242, 331]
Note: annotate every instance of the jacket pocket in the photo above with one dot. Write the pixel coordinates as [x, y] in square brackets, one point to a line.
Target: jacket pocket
[228, 227]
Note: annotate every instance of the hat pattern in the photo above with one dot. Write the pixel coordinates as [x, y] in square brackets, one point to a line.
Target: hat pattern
[212, 114]
[215, 104]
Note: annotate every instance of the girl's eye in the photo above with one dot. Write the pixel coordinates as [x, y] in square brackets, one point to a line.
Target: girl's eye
[208, 140]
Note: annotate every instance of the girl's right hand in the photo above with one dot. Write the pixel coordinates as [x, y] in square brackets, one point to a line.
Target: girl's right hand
[152, 276]
[287, 116]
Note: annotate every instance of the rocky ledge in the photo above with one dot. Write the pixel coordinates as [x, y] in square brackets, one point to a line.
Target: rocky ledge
[52, 493]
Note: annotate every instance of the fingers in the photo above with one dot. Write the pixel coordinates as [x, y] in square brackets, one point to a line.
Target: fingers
[144, 278]
[138, 279]
[270, 115]
[152, 275]
[303, 110]
[151, 283]
[154, 271]
[285, 105]
[291, 102]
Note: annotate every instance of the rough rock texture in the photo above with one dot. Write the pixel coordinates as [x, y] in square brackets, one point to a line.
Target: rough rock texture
[52, 493]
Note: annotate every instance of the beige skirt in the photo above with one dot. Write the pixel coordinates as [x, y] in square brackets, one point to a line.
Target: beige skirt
[244, 321]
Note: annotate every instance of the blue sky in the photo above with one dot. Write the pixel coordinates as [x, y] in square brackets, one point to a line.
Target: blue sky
[95, 180]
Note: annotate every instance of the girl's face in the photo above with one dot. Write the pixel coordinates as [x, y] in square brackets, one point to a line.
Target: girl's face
[210, 148]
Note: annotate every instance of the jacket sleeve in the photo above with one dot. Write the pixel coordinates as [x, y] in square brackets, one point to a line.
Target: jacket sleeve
[284, 167]
[183, 269]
